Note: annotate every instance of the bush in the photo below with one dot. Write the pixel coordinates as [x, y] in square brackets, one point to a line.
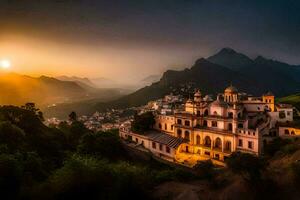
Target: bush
[247, 165]
[143, 122]
[205, 169]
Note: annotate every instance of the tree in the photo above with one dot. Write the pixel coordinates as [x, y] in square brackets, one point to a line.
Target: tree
[31, 107]
[143, 122]
[247, 165]
[12, 136]
[102, 144]
[205, 169]
[10, 177]
[73, 116]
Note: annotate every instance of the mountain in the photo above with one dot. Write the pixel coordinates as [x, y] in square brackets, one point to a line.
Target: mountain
[81, 81]
[211, 76]
[231, 59]
[18, 89]
[214, 74]
[150, 79]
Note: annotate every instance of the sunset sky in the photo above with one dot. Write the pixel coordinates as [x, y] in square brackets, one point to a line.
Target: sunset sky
[129, 40]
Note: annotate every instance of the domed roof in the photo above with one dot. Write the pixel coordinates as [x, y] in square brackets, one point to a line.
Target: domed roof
[219, 103]
[231, 89]
[197, 93]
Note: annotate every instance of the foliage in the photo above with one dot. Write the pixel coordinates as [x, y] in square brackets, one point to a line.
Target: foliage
[296, 172]
[275, 145]
[247, 165]
[143, 122]
[205, 169]
[103, 144]
[10, 176]
[12, 136]
[73, 116]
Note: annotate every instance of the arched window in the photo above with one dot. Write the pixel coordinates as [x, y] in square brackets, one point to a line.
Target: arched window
[218, 143]
[159, 125]
[179, 133]
[205, 123]
[230, 115]
[187, 135]
[215, 113]
[179, 121]
[207, 141]
[293, 133]
[205, 112]
[198, 140]
[286, 131]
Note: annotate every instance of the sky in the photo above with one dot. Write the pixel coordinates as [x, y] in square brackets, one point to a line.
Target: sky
[130, 40]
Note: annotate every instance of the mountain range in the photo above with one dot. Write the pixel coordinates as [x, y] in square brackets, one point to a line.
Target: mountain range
[211, 75]
[18, 89]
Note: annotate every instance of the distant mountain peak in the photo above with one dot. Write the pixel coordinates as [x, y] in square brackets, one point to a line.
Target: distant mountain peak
[260, 59]
[227, 50]
[201, 61]
[230, 58]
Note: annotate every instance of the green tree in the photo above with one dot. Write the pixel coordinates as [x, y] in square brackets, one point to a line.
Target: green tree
[143, 122]
[10, 176]
[247, 165]
[12, 136]
[73, 116]
[102, 144]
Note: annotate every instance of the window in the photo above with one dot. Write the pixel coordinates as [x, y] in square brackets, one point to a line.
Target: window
[207, 153]
[258, 108]
[286, 131]
[281, 114]
[218, 143]
[159, 125]
[205, 112]
[293, 133]
[160, 147]
[205, 123]
[214, 124]
[198, 140]
[240, 142]
[215, 113]
[230, 126]
[207, 141]
[250, 145]
[166, 127]
[168, 149]
[179, 133]
[179, 121]
[187, 123]
[288, 113]
[240, 125]
[230, 115]
[153, 145]
[198, 113]
[172, 127]
[217, 156]
[187, 135]
[137, 140]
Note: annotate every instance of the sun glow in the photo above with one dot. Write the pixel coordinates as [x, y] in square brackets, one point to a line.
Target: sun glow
[5, 64]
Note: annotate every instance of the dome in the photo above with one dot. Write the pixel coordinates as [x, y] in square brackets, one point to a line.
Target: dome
[197, 94]
[219, 103]
[231, 89]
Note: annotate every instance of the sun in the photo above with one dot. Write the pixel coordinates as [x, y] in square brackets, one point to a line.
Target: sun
[5, 64]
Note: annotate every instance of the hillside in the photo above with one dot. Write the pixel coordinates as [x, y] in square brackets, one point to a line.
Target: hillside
[291, 99]
[18, 89]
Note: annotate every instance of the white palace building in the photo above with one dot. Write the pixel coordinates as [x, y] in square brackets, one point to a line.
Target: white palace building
[206, 129]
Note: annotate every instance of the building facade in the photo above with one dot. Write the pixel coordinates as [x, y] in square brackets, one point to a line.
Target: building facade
[215, 129]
